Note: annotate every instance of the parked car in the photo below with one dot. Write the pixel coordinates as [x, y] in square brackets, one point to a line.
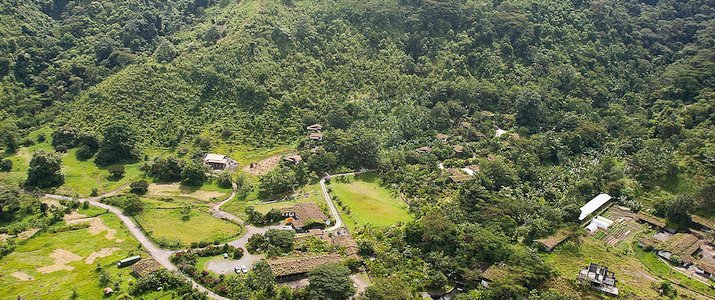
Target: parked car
[244, 269]
[225, 256]
[237, 270]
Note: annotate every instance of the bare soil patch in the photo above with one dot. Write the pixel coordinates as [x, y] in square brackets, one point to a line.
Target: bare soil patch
[263, 166]
[104, 252]
[61, 257]
[27, 233]
[74, 216]
[4, 237]
[97, 226]
[22, 276]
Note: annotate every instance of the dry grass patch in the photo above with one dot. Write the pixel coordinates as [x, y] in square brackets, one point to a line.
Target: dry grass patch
[97, 226]
[99, 254]
[62, 258]
[74, 216]
[27, 233]
[264, 166]
[22, 276]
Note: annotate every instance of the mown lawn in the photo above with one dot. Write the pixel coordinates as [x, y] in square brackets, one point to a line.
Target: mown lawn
[167, 225]
[208, 192]
[34, 253]
[367, 202]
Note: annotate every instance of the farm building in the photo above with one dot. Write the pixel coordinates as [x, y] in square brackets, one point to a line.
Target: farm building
[290, 268]
[145, 267]
[219, 162]
[494, 273]
[651, 220]
[550, 242]
[458, 175]
[499, 132]
[316, 136]
[598, 222]
[458, 148]
[598, 278]
[314, 127]
[304, 214]
[423, 150]
[294, 159]
[442, 137]
[593, 205]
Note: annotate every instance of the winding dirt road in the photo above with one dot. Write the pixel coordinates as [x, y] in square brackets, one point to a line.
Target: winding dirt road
[162, 255]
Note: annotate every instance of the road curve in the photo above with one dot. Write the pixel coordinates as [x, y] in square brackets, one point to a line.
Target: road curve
[160, 255]
[331, 205]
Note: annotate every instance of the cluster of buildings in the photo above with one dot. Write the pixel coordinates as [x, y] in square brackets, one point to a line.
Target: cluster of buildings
[692, 251]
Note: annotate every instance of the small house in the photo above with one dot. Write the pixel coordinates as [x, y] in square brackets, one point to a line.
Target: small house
[128, 261]
[551, 242]
[442, 137]
[303, 215]
[145, 267]
[423, 150]
[598, 278]
[294, 159]
[219, 162]
[499, 132]
[458, 149]
[316, 136]
[315, 127]
[494, 273]
[296, 267]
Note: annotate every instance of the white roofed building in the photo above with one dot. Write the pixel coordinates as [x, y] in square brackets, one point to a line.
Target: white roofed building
[593, 205]
[219, 162]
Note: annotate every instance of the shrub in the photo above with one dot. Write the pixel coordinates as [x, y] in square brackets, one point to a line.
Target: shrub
[237, 253]
[139, 187]
[224, 180]
[84, 152]
[116, 171]
[5, 165]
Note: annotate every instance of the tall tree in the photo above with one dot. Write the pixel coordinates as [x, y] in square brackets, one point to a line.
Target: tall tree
[120, 144]
[330, 282]
[45, 170]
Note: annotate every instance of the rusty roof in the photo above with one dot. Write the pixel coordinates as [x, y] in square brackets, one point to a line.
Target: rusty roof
[294, 265]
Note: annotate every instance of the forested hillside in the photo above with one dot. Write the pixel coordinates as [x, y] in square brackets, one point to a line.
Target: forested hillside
[595, 96]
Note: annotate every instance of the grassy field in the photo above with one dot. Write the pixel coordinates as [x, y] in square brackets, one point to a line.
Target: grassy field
[33, 254]
[164, 224]
[208, 192]
[368, 202]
